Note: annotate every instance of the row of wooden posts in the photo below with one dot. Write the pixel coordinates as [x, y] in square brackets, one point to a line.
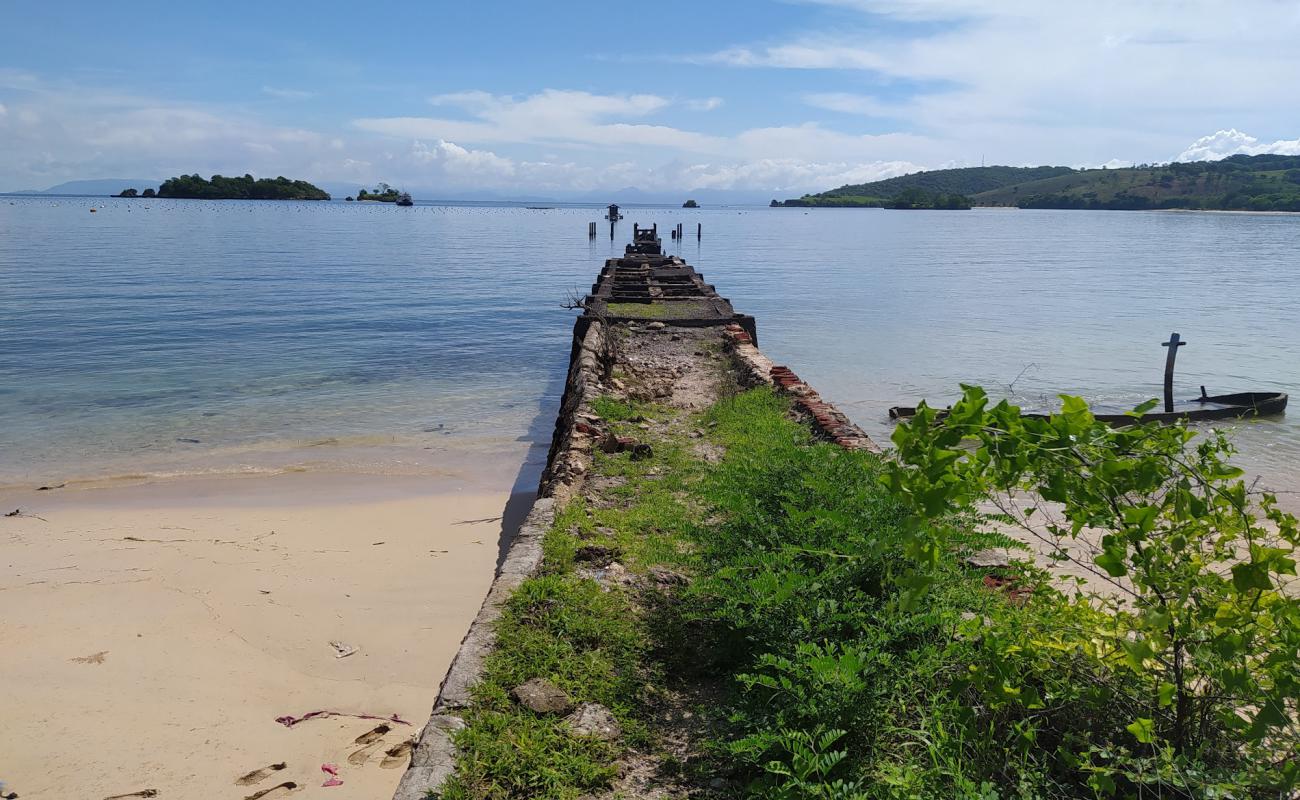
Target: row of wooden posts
[699, 229]
[676, 232]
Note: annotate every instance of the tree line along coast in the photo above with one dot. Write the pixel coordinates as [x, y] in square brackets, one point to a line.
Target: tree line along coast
[220, 187]
[1237, 183]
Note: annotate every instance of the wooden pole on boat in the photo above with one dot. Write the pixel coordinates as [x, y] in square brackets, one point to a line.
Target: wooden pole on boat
[1173, 344]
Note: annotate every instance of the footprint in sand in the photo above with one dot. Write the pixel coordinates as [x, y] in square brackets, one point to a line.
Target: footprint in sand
[361, 756]
[259, 775]
[397, 755]
[373, 735]
[370, 741]
[279, 790]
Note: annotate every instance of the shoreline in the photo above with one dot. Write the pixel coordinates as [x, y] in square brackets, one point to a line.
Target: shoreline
[163, 626]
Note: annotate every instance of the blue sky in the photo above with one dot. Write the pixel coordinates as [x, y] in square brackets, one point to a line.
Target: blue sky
[534, 98]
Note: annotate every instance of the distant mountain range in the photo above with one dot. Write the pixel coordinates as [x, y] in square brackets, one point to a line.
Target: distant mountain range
[1247, 183]
[103, 186]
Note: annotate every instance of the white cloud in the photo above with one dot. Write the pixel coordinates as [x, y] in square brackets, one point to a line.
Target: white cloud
[590, 123]
[1043, 81]
[788, 175]
[287, 94]
[810, 53]
[1222, 144]
[845, 103]
[552, 116]
[705, 104]
[458, 160]
[57, 133]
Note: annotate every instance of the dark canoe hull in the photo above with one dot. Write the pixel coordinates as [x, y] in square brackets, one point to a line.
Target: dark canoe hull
[1204, 409]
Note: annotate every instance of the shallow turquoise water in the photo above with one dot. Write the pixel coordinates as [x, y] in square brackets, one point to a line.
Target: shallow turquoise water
[160, 337]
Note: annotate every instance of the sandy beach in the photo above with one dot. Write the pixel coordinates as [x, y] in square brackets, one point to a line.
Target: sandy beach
[153, 634]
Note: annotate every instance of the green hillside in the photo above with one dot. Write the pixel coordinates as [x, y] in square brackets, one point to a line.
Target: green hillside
[1248, 183]
[968, 181]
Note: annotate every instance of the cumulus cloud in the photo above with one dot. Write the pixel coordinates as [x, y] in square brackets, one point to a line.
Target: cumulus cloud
[54, 133]
[459, 160]
[1222, 144]
[1046, 82]
[552, 116]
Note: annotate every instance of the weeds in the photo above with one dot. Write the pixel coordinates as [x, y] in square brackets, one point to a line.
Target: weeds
[854, 654]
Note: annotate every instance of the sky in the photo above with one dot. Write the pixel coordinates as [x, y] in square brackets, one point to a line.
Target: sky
[763, 97]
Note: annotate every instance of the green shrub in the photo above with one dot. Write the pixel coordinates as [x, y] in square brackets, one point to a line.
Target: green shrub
[1194, 644]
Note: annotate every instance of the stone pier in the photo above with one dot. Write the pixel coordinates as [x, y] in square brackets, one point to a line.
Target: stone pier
[642, 291]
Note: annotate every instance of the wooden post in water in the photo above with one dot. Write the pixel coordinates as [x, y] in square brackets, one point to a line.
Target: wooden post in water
[1173, 344]
[699, 230]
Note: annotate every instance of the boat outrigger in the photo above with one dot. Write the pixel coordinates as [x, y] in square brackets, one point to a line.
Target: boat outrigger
[1207, 407]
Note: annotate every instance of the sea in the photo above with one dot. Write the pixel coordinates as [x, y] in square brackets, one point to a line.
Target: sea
[146, 338]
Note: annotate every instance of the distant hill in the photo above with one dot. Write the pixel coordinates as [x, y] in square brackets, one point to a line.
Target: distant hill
[966, 181]
[1247, 183]
[101, 186]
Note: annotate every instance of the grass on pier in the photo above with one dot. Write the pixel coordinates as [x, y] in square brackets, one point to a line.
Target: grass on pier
[824, 679]
[664, 309]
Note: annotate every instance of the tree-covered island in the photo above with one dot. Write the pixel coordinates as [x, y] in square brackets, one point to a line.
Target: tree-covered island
[194, 187]
[383, 193]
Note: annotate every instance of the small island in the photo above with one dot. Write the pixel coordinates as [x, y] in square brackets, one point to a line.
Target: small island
[194, 187]
[690, 204]
[134, 193]
[384, 194]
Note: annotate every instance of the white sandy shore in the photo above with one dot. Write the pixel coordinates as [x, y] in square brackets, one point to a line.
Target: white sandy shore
[151, 635]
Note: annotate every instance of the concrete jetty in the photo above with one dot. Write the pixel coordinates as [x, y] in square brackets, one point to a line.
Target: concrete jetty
[643, 292]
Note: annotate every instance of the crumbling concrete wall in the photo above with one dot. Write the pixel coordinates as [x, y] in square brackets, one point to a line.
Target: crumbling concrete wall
[569, 461]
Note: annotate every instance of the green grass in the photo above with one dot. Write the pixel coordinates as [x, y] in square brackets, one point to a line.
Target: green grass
[823, 682]
[640, 310]
[591, 640]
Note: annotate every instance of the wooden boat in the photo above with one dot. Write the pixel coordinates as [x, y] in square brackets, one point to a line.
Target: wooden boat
[1205, 408]
[1240, 405]
[404, 199]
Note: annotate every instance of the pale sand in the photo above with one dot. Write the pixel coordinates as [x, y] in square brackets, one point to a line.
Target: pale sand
[221, 620]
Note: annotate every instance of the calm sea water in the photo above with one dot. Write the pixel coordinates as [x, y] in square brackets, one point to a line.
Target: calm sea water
[168, 337]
